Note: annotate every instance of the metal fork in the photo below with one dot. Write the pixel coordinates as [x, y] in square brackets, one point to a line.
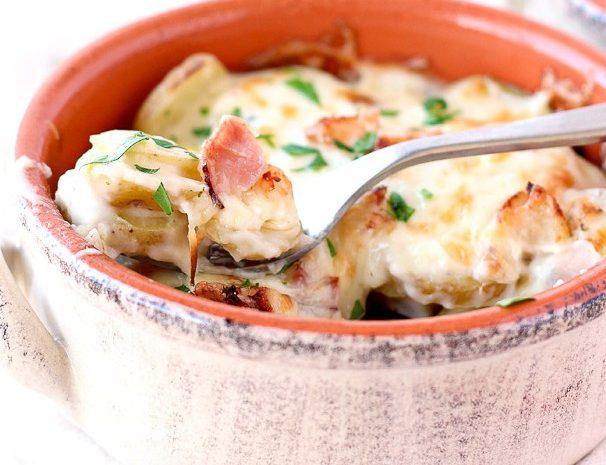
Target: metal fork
[336, 191]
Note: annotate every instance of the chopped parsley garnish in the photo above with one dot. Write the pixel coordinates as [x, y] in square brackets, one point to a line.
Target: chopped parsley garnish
[146, 170]
[202, 131]
[169, 144]
[237, 111]
[425, 194]
[513, 301]
[204, 111]
[437, 111]
[305, 88]
[298, 150]
[316, 164]
[133, 139]
[165, 143]
[162, 199]
[183, 288]
[286, 267]
[366, 143]
[248, 283]
[268, 138]
[343, 146]
[331, 248]
[128, 143]
[357, 311]
[362, 146]
[389, 113]
[398, 208]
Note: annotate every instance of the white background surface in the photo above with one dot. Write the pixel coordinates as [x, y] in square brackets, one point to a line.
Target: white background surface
[35, 36]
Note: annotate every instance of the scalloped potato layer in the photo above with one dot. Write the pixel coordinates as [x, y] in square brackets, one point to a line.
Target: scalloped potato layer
[155, 201]
[473, 230]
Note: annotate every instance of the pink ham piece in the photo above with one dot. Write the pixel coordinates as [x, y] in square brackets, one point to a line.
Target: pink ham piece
[234, 159]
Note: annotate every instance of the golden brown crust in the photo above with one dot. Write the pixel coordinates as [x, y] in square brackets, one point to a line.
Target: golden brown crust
[534, 212]
[274, 178]
[252, 296]
[345, 129]
[581, 211]
[564, 94]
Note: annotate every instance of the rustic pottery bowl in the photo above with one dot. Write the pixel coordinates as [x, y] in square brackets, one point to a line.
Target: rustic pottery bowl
[160, 377]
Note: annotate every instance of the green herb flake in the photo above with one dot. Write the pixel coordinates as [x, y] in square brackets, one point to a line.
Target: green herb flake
[268, 138]
[162, 199]
[169, 144]
[398, 208]
[366, 143]
[295, 150]
[146, 170]
[437, 112]
[122, 149]
[237, 111]
[343, 146]
[135, 139]
[362, 146]
[513, 301]
[286, 267]
[183, 288]
[202, 131]
[425, 194]
[165, 143]
[389, 113]
[315, 165]
[204, 111]
[305, 88]
[357, 311]
[248, 284]
[299, 150]
[331, 248]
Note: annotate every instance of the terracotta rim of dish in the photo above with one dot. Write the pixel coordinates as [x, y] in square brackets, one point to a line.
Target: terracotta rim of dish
[578, 290]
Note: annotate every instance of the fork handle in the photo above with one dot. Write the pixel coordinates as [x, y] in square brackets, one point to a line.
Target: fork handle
[581, 126]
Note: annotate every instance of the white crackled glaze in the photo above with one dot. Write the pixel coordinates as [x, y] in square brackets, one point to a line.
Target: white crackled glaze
[195, 388]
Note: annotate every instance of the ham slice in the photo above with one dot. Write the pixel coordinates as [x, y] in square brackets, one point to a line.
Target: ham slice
[233, 158]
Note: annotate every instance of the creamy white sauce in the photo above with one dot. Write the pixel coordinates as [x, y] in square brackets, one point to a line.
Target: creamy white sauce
[455, 250]
[113, 205]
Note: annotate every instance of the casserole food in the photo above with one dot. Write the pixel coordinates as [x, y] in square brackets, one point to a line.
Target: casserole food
[158, 376]
[445, 237]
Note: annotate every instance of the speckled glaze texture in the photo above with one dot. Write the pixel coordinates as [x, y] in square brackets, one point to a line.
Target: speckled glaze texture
[592, 11]
[159, 377]
[156, 383]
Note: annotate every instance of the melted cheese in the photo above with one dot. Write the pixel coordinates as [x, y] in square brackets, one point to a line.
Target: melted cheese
[112, 204]
[482, 235]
